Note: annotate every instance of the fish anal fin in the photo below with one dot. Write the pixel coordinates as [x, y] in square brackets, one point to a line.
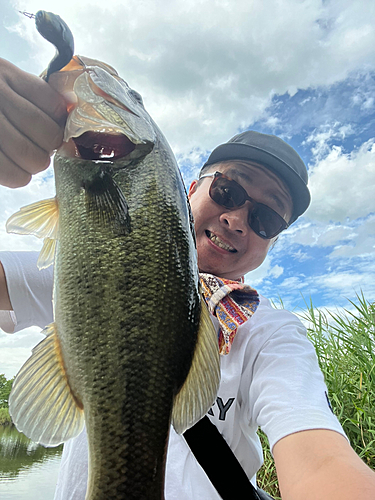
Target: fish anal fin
[42, 404]
[199, 391]
[42, 220]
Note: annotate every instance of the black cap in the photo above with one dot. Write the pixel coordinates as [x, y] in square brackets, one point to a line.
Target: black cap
[273, 153]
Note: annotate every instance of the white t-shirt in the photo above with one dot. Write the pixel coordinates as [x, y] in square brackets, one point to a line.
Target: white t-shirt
[270, 379]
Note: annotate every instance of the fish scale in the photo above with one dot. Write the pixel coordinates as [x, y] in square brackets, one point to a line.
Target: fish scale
[131, 344]
[149, 354]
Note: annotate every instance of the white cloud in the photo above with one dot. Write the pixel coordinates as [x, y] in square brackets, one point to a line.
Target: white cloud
[349, 283]
[15, 349]
[320, 139]
[264, 272]
[361, 243]
[345, 242]
[342, 184]
[276, 271]
[301, 256]
[208, 68]
[294, 283]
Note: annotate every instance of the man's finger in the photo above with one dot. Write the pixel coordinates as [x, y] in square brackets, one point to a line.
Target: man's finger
[21, 150]
[11, 175]
[30, 121]
[34, 90]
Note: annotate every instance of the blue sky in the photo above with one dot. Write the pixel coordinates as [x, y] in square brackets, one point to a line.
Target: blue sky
[210, 69]
[332, 260]
[314, 122]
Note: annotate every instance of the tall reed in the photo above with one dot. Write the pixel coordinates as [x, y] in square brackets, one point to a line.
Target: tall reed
[345, 346]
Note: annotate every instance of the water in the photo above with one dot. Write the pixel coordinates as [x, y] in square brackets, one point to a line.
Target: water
[27, 471]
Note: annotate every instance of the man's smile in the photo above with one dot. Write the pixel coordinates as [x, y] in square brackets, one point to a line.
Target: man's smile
[227, 246]
[219, 242]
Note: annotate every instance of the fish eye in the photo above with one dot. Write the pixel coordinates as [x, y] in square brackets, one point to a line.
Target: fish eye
[137, 96]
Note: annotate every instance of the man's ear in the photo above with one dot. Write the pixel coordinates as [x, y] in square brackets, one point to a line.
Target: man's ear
[192, 188]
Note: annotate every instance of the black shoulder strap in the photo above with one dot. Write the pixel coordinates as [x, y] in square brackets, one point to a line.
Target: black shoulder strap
[219, 462]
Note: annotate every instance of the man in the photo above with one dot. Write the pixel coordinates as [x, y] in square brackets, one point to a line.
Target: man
[250, 189]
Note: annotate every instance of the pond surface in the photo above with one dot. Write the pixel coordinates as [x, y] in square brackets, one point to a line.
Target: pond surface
[27, 471]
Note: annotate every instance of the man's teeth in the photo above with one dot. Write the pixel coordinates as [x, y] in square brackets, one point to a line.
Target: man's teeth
[218, 242]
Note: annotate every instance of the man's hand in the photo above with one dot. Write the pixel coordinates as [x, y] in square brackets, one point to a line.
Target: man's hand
[321, 465]
[32, 119]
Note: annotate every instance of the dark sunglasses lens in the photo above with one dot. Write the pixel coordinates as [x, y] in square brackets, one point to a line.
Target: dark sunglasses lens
[262, 219]
[266, 222]
[227, 193]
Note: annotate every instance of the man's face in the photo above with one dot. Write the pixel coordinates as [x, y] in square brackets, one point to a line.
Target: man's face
[227, 246]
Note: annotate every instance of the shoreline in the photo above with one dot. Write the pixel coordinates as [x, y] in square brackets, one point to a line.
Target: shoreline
[5, 418]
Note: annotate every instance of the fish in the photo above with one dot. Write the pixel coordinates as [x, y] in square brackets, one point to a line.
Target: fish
[132, 348]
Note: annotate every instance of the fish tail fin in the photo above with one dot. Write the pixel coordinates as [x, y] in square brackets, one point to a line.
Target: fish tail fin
[199, 391]
[42, 404]
[42, 220]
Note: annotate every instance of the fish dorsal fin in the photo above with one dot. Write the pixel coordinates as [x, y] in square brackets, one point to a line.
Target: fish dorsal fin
[199, 391]
[42, 220]
[41, 402]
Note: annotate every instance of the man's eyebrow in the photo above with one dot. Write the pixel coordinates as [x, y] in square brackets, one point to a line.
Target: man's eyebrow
[250, 180]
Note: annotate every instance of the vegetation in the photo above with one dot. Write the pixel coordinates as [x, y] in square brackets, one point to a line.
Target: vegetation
[5, 388]
[5, 418]
[345, 345]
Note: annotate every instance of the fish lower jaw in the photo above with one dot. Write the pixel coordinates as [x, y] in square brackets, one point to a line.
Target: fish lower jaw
[219, 243]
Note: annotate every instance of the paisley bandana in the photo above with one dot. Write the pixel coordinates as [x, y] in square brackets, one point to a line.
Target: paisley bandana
[231, 302]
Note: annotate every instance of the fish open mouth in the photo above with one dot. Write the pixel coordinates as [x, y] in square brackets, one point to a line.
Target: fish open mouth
[107, 122]
[102, 146]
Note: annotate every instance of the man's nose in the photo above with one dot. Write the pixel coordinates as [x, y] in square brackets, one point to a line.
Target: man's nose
[237, 219]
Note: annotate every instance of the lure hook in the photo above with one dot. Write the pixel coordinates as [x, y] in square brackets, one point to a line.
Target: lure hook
[27, 14]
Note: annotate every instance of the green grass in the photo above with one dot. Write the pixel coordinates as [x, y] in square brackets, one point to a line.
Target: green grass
[5, 417]
[345, 345]
[267, 477]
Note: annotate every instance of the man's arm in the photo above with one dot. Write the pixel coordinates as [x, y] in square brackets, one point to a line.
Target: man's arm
[321, 465]
[32, 118]
[5, 304]
[26, 290]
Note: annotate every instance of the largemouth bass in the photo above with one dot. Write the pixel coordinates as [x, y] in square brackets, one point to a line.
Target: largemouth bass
[132, 347]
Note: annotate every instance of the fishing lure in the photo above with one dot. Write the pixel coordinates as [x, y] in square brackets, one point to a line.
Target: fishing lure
[56, 31]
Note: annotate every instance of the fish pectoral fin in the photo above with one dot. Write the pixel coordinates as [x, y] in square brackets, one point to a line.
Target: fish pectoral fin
[41, 403]
[42, 220]
[106, 203]
[199, 391]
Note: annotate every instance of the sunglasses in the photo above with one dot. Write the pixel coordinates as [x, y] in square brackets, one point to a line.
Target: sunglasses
[227, 193]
